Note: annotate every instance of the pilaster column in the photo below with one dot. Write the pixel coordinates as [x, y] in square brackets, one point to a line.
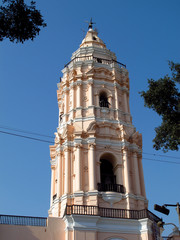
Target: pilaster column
[110, 101]
[78, 95]
[136, 174]
[98, 172]
[67, 170]
[97, 99]
[126, 170]
[118, 173]
[90, 92]
[52, 183]
[59, 175]
[92, 168]
[78, 167]
[73, 100]
[143, 191]
[116, 98]
[128, 103]
[71, 116]
[125, 101]
[66, 100]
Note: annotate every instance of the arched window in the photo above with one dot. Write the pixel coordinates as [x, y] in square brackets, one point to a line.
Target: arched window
[107, 175]
[103, 100]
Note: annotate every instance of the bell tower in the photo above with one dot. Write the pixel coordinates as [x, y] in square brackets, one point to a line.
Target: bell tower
[96, 160]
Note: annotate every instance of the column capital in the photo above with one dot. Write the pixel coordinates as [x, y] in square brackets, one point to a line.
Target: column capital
[91, 145]
[90, 81]
[78, 145]
[66, 149]
[72, 86]
[124, 149]
[66, 89]
[79, 83]
[133, 151]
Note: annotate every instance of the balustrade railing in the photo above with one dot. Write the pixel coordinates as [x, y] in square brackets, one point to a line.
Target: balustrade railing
[95, 59]
[110, 212]
[111, 188]
[23, 220]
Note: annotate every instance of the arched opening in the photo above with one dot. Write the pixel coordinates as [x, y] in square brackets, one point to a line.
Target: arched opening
[103, 100]
[108, 176]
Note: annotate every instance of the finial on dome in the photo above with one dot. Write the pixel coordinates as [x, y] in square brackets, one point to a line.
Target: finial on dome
[90, 26]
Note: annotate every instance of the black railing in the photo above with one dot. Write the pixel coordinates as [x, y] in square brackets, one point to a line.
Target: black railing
[110, 212]
[104, 103]
[23, 220]
[111, 188]
[95, 59]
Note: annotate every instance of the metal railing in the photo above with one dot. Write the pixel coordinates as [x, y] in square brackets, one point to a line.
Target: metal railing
[95, 59]
[23, 220]
[104, 104]
[110, 212]
[111, 188]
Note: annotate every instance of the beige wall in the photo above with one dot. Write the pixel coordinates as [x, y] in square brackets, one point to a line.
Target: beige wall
[54, 230]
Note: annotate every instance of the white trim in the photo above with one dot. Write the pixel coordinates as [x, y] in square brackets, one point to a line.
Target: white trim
[111, 225]
[53, 162]
[98, 193]
[95, 82]
[111, 197]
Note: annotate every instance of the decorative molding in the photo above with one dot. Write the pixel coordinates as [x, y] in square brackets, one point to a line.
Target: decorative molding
[109, 225]
[111, 197]
[53, 162]
[85, 169]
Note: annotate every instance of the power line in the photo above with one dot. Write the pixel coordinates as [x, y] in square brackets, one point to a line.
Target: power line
[23, 131]
[18, 135]
[43, 135]
[46, 141]
[154, 154]
[157, 160]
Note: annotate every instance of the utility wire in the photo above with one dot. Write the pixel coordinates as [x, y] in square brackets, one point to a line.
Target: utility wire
[41, 140]
[23, 131]
[157, 160]
[154, 154]
[18, 135]
[43, 135]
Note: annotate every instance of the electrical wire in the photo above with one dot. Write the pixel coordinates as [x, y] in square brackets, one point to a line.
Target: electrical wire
[51, 142]
[154, 154]
[158, 160]
[18, 135]
[23, 131]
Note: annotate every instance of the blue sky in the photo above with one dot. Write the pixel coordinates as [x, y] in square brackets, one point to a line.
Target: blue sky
[143, 34]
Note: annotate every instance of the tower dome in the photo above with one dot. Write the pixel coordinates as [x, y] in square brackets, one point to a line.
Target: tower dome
[92, 39]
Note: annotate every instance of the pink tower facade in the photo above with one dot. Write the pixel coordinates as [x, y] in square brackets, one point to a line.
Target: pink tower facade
[97, 182]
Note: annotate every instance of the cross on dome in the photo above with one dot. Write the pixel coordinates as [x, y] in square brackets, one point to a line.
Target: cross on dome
[90, 26]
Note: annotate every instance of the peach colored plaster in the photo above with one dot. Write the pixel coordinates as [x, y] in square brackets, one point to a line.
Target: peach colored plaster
[87, 132]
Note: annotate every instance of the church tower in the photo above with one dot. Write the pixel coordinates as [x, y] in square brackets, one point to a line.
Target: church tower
[97, 181]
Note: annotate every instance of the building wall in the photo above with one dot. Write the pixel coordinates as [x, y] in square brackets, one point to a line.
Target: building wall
[54, 230]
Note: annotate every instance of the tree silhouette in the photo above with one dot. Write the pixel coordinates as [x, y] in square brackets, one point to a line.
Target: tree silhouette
[19, 22]
[164, 98]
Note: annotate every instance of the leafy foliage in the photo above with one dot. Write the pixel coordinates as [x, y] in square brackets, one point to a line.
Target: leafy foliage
[164, 98]
[19, 22]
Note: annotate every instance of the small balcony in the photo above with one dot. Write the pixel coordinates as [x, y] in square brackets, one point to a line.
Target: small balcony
[110, 212]
[112, 187]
